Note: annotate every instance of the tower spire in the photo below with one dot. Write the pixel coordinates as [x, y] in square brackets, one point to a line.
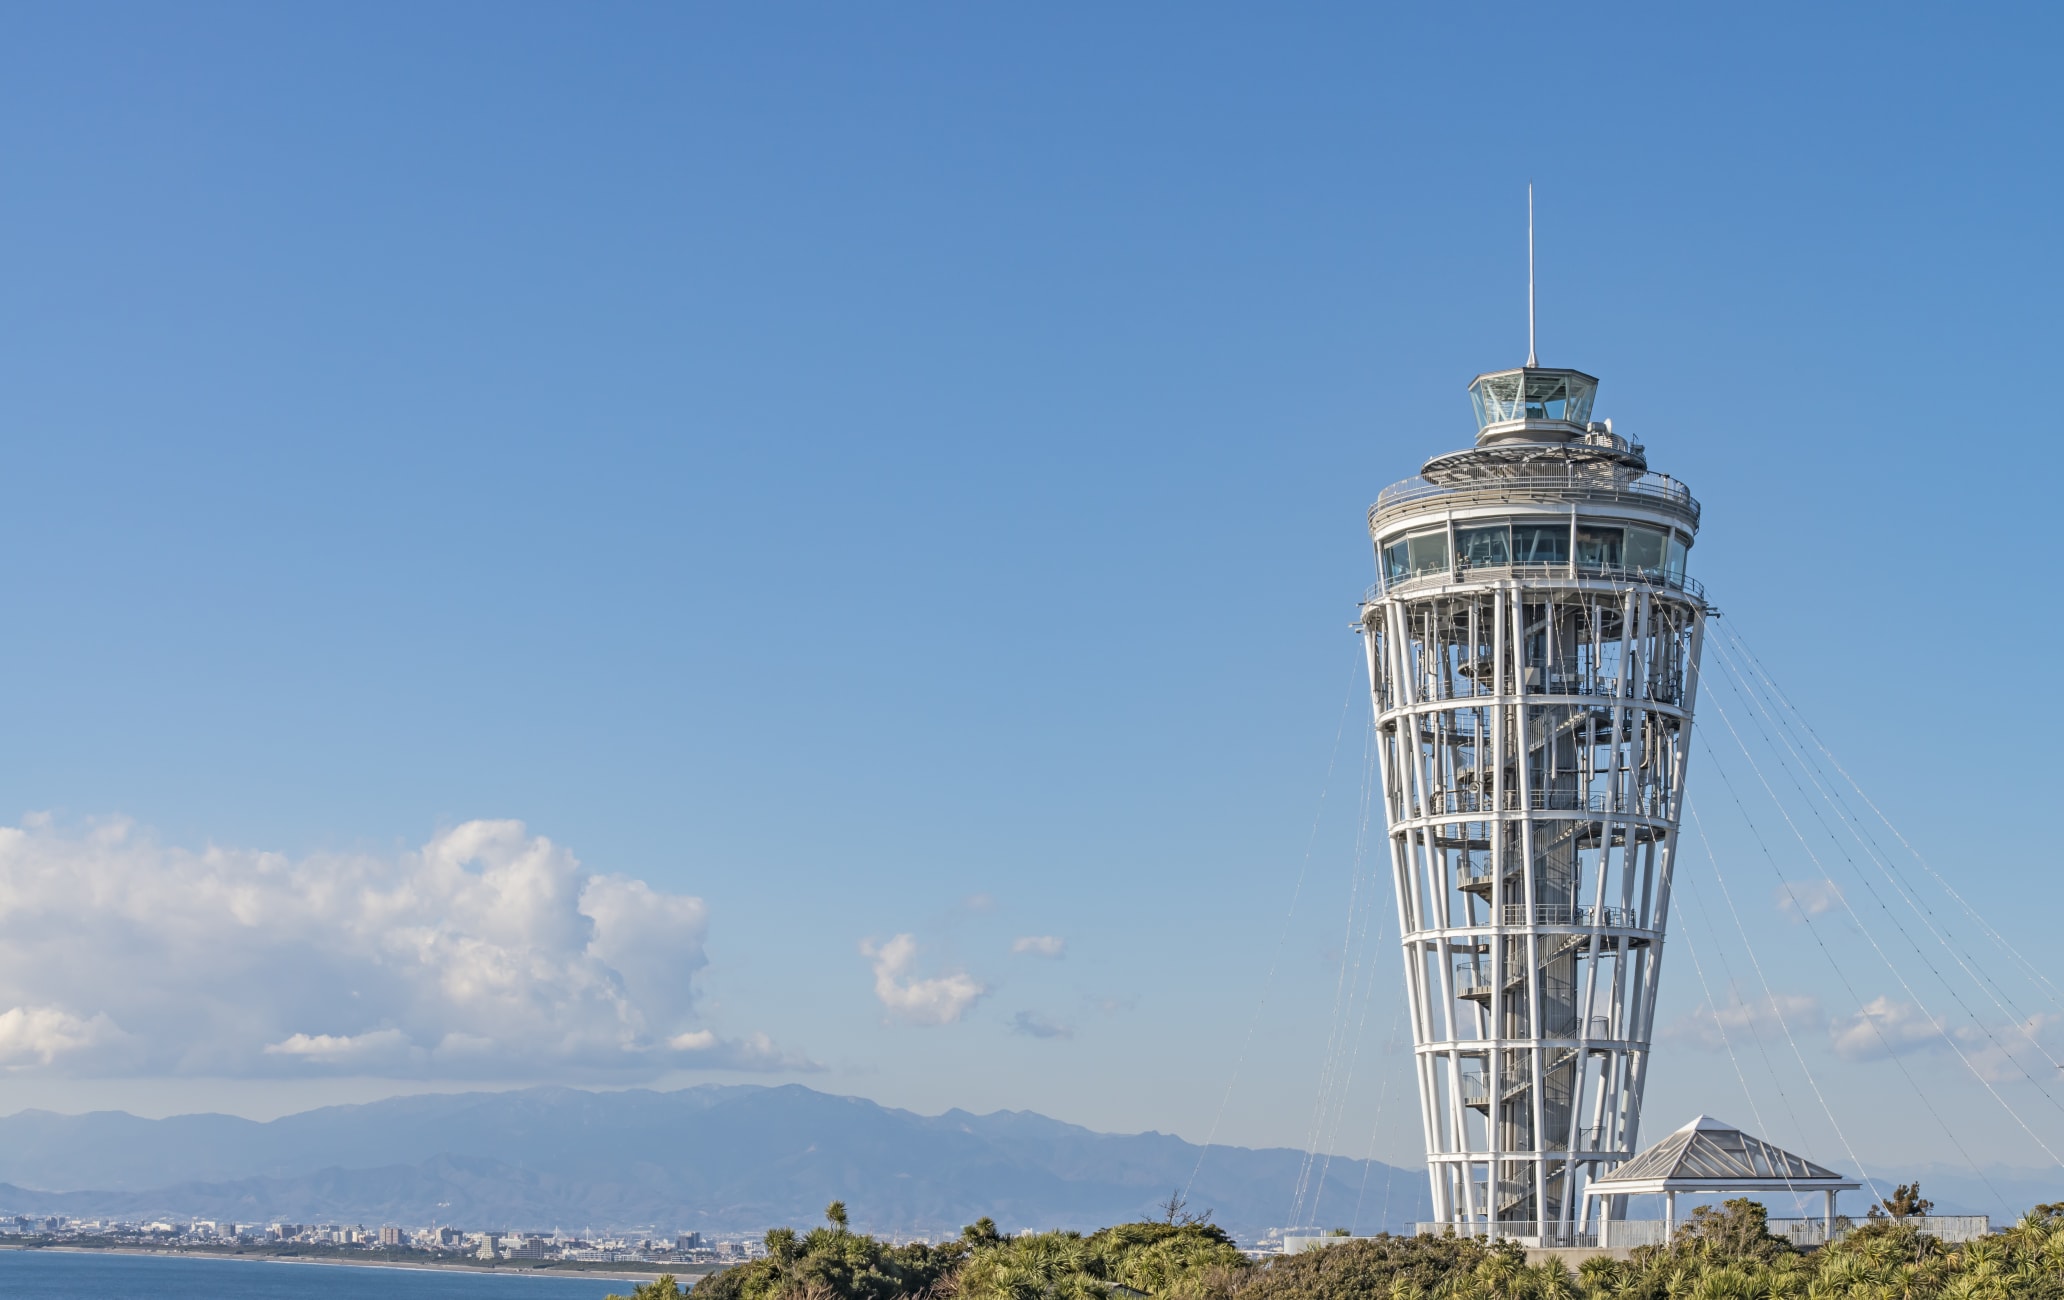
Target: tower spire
[1531, 358]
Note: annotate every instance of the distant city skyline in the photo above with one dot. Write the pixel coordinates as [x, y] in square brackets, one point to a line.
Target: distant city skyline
[651, 547]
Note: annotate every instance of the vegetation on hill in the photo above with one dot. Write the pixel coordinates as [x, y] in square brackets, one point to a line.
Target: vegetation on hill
[1723, 1254]
[1728, 1254]
[1182, 1261]
[835, 1263]
[1386, 1267]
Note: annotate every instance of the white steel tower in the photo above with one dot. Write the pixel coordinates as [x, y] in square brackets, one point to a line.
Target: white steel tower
[1533, 649]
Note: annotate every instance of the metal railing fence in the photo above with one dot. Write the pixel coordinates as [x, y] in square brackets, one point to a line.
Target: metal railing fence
[1528, 489]
[1455, 802]
[1622, 918]
[1465, 572]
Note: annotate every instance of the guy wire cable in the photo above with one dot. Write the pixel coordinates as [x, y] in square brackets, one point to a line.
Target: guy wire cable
[1776, 1008]
[1897, 974]
[1919, 912]
[1713, 1008]
[1994, 936]
[1282, 934]
[1840, 975]
[1343, 1093]
[1329, 1061]
[1939, 931]
[1363, 948]
[1375, 1127]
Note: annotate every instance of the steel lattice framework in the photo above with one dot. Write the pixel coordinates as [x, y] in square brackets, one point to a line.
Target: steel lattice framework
[1533, 645]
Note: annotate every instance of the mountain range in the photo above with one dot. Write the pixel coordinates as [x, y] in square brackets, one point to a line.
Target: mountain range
[716, 1159]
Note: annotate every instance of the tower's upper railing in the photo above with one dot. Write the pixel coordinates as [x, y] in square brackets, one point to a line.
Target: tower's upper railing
[1652, 491]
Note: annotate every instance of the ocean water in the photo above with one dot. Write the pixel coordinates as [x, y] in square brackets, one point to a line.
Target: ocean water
[65, 1275]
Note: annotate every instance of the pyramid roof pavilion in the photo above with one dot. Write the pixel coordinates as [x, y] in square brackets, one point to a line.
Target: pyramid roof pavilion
[1707, 1155]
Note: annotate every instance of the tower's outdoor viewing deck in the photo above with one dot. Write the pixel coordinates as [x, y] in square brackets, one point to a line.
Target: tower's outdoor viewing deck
[1652, 490]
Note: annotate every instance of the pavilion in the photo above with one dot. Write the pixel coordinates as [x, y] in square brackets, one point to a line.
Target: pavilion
[1707, 1157]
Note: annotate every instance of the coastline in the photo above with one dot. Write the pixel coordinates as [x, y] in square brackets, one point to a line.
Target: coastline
[690, 1276]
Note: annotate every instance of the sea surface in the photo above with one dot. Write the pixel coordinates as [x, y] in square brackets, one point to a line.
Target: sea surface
[78, 1275]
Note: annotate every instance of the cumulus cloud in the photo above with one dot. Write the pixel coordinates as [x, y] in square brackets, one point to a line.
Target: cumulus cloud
[1039, 945]
[940, 1000]
[1033, 1025]
[2025, 1050]
[1884, 1027]
[488, 953]
[1731, 1024]
[1999, 1051]
[1798, 900]
[32, 1036]
[380, 1047]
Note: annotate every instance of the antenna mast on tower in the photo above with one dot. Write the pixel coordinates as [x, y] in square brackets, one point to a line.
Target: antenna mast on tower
[1531, 358]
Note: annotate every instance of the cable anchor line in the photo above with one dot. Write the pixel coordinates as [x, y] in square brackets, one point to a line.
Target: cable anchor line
[1739, 685]
[1862, 1007]
[1796, 721]
[1282, 934]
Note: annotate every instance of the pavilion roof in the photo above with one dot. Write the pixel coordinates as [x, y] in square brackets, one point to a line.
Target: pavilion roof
[1707, 1155]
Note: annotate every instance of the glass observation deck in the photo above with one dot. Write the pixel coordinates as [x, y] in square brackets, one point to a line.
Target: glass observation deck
[1536, 546]
[1531, 399]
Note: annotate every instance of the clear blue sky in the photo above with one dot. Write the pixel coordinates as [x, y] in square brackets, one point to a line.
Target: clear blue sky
[901, 472]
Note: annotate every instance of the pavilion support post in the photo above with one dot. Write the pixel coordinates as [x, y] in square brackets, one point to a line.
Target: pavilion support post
[1828, 1219]
[1669, 1215]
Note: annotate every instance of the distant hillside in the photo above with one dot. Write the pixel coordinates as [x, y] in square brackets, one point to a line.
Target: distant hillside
[717, 1159]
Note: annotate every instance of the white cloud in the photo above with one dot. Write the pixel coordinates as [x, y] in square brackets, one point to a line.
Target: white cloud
[488, 953]
[2026, 1050]
[652, 940]
[381, 1046]
[1040, 945]
[40, 1035]
[2000, 1052]
[1884, 1028]
[1735, 1023]
[937, 1001]
[1798, 900]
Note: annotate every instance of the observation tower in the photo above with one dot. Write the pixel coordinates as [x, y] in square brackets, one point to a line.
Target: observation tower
[1533, 648]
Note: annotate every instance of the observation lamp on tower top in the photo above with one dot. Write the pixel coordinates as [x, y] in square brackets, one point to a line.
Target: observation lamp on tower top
[1532, 404]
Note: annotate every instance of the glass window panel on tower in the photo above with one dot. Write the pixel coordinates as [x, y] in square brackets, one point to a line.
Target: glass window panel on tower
[1645, 550]
[1559, 396]
[1546, 396]
[1396, 565]
[1429, 551]
[1598, 547]
[1485, 545]
[1582, 392]
[1540, 543]
[1678, 551]
[1497, 399]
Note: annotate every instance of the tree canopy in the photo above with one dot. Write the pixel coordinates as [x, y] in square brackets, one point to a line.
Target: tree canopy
[1718, 1254]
